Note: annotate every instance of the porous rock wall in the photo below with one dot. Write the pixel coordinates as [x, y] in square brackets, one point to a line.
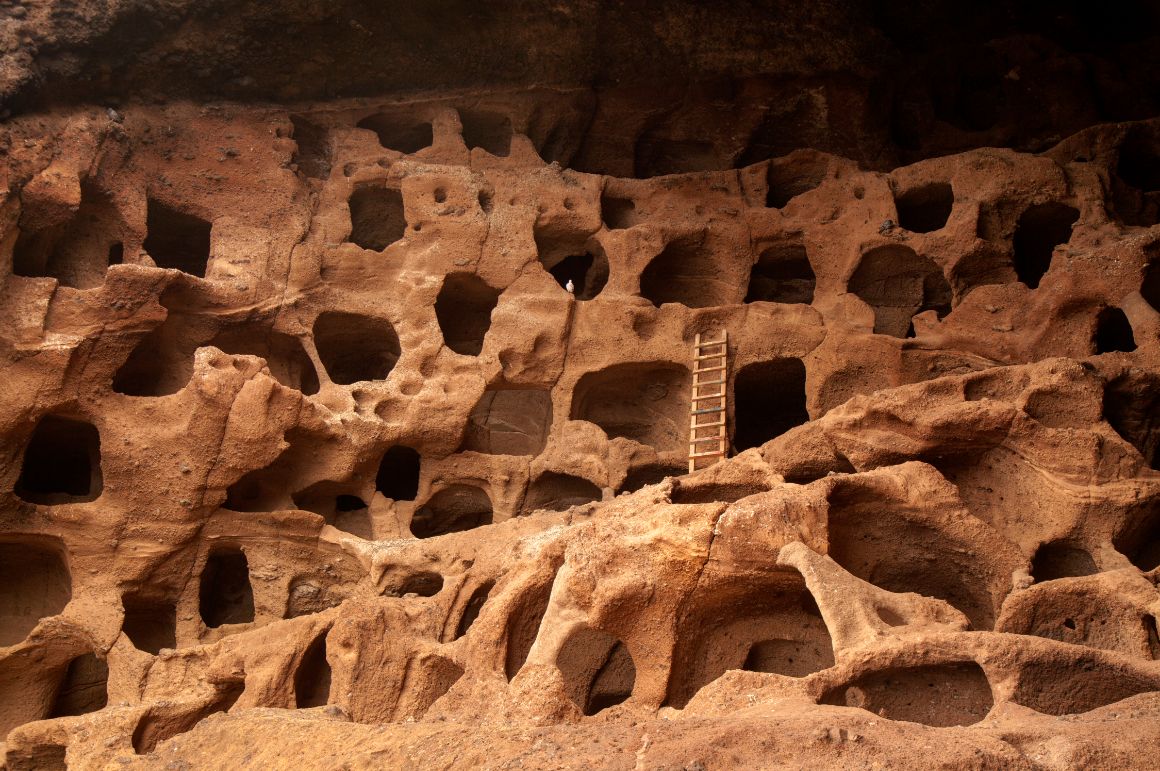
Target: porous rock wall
[310, 458]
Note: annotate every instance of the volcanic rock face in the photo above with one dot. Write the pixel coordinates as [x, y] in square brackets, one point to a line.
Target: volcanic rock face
[311, 459]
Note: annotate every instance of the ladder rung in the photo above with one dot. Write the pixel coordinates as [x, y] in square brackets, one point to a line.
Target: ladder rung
[707, 410]
[709, 383]
[693, 424]
[707, 343]
[704, 439]
[715, 454]
[709, 356]
[709, 369]
[703, 397]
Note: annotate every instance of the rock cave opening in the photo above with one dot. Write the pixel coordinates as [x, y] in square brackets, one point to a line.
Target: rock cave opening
[766, 622]
[313, 155]
[509, 421]
[1040, 229]
[769, 398]
[880, 540]
[463, 309]
[782, 274]
[177, 240]
[399, 131]
[1138, 538]
[552, 491]
[618, 212]
[488, 130]
[588, 272]
[926, 208]
[225, 595]
[1150, 286]
[472, 608]
[523, 627]
[1060, 559]
[78, 252]
[330, 500]
[1131, 406]
[1136, 182]
[453, 509]
[648, 474]
[1077, 684]
[312, 677]
[285, 357]
[899, 284]
[377, 217]
[598, 670]
[645, 402]
[425, 583]
[62, 462]
[150, 623]
[354, 347]
[152, 729]
[939, 695]
[35, 583]
[685, 272]
[398, 474]
[788, 177]
[1113, 332]
[84, 687]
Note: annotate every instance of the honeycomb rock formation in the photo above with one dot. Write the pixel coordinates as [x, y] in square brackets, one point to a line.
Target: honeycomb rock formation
[311, 460]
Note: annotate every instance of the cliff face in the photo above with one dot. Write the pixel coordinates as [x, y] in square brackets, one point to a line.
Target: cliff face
[310, 459]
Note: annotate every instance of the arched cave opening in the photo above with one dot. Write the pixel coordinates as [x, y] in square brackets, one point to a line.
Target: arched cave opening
[78, 252]
[790, 176]
[488, 130]
[898, 284]
[645, 402]
[881, 541]
[783, 274]
[1040, 229]
[376, 217]
[754, 622]
[463, 309]
[588, 272]
[399, 131]
[177, 240]
[618, 212]
[1150, 287]
[1059, 559]
[472, 608]
[225, 595]
[685, 272]
[509, 421]
[769, 399]
[35, 583]
[552, 491]
[1131, 406]
[648, 474]
[598, 670]
[312, 677]
[523, 627]
[1136, 182]
[83, 689]
[1138, 538]
[1113, 332]
[62, 462]
[354, 347]
[398, 474]
[453, 509]
[926, 208]
[149, 623]
[940, 695]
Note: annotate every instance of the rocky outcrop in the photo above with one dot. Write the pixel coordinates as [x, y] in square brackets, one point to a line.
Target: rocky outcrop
[310, 458]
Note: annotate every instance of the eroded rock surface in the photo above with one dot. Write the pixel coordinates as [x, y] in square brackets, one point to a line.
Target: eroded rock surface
[310, 459]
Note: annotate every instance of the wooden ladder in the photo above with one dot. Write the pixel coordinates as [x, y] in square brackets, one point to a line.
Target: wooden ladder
[707, 413]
